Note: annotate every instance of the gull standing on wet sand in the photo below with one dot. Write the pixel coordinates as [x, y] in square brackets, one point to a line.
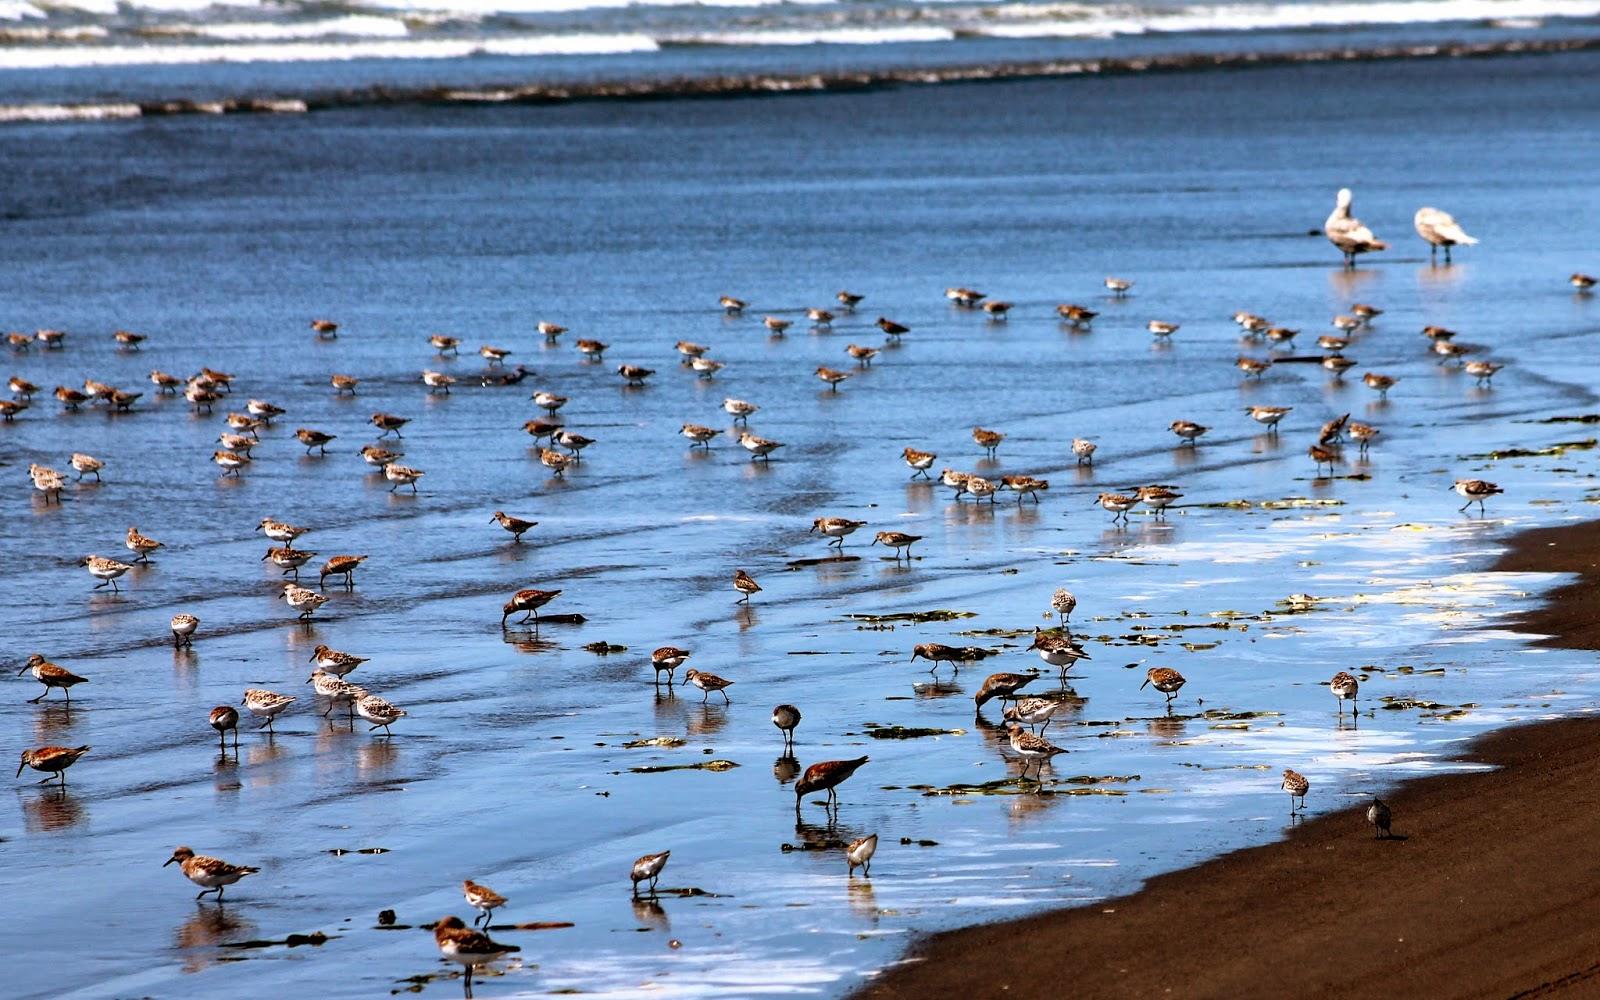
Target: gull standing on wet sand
[1348, 233]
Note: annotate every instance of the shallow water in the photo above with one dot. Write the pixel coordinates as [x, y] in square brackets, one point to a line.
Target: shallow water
[221, 239]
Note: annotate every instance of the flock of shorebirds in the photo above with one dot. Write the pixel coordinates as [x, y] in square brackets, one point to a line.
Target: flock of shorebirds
[1026, 718]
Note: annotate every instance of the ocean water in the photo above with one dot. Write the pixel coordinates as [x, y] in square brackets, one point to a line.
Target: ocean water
[222, 237]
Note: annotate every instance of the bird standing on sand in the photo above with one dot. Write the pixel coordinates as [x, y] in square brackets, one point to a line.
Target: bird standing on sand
[1379, 816]
[1440, 230]
[1030, 747]
[1297, 786]
[1347, 232]
[708, 683]
[516, 525]
[668, 658]
[1476, 491]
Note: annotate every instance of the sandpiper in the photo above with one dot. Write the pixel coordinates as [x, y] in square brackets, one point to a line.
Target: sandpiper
[222, 719]
[1164, 679]
[835, 528]
[231, 462]
[1058, 649]
[1161, 329]
[573, 442]
[1188, 430]
[897, 540]
[494, 355]
[1030, 747]
[53, 340]
[1365, 313]
[9, 408]
[213, 874]
[1483, 371]
[1252, 367]
[51, 760]
[689, 350]
[483, 899]
[966, 298]
[1062, 602]
[997, 310]
[699, 435]
[47, 481]
[402, 475]
[758, 447]
[336, 689]
[1118, 286]
[1338, 364]
[893, 330]
[548, 401]
[648, 869]
[555, 461]
[128, 339]
[527, 603]
[1333, 430]
[706, 367]
[827, 776]
[1344, 685]
[538, 429]
[467, 947]
[243, 423]
[786, 718]
[139, 545]
[263, 410]
[668, 658]
[516, 525]
[1281, 336]
[1076, 315]
[266, 705]
[1084, 449]
[280, 531]
[343, 384]
[1363, 434]
[312, 438]
[70, 398]
[1448, 350]
[919, 461]
[105, 570]
[1582, 282]
[302, 600]
[745, 584]
[1323, 455]
[51, 675]
[849, 300]
[832, 376]
[374, 455]
[1002, 686]
[445, 344]
[388, 423]
[987, 439]
[1333, 345]
[1117, 503]
[741, 410]
[776, 325]
[437, 381]
[731, 305]
[288, 559]
[1034, 712]
[1158, 498]
[1438, 333]
[1380, 383]
[980, 488]
[708, 683]
[1476, 491]
[1297, 786]
[379, 712]
[344, 566]
[1025, 486]
[333, 661]
[955, 480]
[1268, 415]
[863, 355]
[635, 375]
[86, 465]
[859, 854]
[183, 628]
[21, 387]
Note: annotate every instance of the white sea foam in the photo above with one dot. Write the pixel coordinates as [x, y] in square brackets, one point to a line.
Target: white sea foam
[820, 36]
[353, 26]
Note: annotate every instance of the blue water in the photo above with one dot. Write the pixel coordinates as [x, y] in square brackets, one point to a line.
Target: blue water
[221, 238]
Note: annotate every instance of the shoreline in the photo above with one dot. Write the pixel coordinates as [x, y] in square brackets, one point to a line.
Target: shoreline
[1480, 894]
[770, 85]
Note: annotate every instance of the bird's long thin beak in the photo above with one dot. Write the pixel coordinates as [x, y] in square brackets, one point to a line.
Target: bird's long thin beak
[1146, 681]
[311, 678]
[20, 767]
[266, 557]
[22, 671]
[169, 861]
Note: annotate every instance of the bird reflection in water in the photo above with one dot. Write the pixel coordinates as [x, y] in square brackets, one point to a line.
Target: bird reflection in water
[1170, 728]
[747, 617]
[650, 914]
[527, 641]
[785, 769]
[51, 810]
[51, 723]
[209, 928]
[709, 720]
[863, 899]
[376, 758]
[935, 688]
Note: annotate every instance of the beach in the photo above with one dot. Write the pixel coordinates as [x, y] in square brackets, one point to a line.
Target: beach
[542, 761]
[1479, 893]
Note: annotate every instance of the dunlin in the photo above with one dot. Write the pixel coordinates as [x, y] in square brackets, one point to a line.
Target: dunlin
[669, 659]
[51, 761]
[1164, 679]
[827, 776]
[483, 899]
[467, 947]
[648, 869]
[1002, 686]
[527, 603]
[516, 525]
[212, 874]
[51, 675]
[708, 683]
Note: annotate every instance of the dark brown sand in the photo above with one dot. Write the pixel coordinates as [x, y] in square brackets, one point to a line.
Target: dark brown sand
[1494, 890]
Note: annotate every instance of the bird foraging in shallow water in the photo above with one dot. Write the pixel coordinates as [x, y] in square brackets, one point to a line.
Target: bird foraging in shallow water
[1323, 455]
[1476, 491]
[467, 947]
[183, 629]
[1297, 786]
[1379, 817]
[1164, 679]
[1002, 686]
[758, 447]
[859, 854]
[1440, 229]
[214, 874]
[344, 566]
[668, 658]
[303, 600]
[1347, 232]
[222, 719]
[1030, 747]
[897, 540]
[53, 761]
[1118, 286]
[266, 704]
[1381, 383]
[1062, 602]
[1057, 649]
[379, 712]
[1033, 712]
[1188, 430]
[402, 475]
[140, 545]
[1483, 371]
[832, 376]
[516, 525]
[483, 899]
[528, 602]
[786, 718]
[1117, 503]
[987, 440]
[648, 869]
[835, 528]
[51, 675]
[1084, 449]
[334, 662]
[1268, 416]
[105, 570]
[708, 683]
[919, 461]
[1344, 685]
[827, 776]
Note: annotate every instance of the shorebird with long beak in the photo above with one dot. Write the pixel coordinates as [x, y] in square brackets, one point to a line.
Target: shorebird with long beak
[708, 683]
[1002, 686]
[344, 566]
[746, 585]
[1323, 455]
[1476, 491]
[826, 776]
[516, 525]
[1347, 232]
[53, 762]
[51, 675]
[836, 528]
[1030, 747]
[668, 658]
[527, 603]
[1166, 680]
[897, 540]
[213, 874]
[1439, 229]
[648, 869]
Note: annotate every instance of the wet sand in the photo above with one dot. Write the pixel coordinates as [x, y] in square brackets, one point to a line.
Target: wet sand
[1484, 891]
